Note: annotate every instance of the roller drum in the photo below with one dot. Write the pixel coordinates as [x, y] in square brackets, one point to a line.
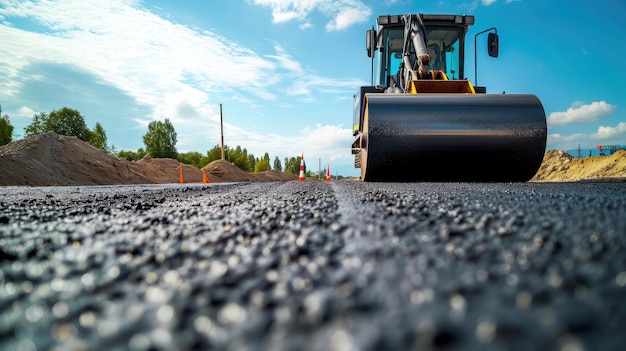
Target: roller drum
[492, 138]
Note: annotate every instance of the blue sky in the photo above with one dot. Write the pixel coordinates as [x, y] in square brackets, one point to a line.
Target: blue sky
[286, 70]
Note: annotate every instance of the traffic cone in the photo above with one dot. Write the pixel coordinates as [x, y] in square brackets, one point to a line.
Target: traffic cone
[328, 173]
[205, 179]
[180, 167]
[302, 168]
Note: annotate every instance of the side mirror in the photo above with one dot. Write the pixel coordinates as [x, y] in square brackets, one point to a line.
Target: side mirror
[492, 44]
[370, 42]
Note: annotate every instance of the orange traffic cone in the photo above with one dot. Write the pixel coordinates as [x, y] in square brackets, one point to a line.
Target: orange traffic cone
[180, 167]
[205, 179]
[302, 168]
[328, 173]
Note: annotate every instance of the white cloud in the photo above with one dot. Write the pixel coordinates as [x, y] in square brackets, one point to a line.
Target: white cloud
[25, 112]
[329, 142]
[132, 49]
[603, 136]
[343, 13]
[604, 133]
[159, 63]
[349, 16]
[285, 61]
[560, 139]
[472, 6]
[580, 113]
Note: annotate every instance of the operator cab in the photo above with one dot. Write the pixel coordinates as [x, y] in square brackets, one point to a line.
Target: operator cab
[445, 36]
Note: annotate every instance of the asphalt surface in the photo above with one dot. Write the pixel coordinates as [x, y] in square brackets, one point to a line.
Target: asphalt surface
[314, 265]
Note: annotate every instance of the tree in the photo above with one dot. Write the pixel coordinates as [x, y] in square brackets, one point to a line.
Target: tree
[132, 155]
[262, 165]
[251, 161]
[193, 158]
[65, 121]
[37, 125]
[69, 122]
[240, 159]
[277, 165]
[98, 138]
[214, 154]
[6, 129]
[293, 165]
[160, 139]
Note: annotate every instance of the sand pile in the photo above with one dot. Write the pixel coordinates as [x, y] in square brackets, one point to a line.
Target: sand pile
[166, 170]
[51, 159]
[559, 166]
[224, 171]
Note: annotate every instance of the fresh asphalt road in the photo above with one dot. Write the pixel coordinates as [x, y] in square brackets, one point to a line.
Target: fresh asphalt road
[314, 265]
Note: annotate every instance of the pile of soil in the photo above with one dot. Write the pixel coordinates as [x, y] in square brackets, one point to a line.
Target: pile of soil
[559, 166]
[166, 170]
[223, 171]
[51, 159]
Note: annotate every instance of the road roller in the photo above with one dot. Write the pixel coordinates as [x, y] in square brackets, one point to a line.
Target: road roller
[423, 120]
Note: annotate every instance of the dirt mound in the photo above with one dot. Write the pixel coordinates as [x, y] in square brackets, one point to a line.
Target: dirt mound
[224, 171]
[559, 166]
[166, 170]
[51, 159]
[277, 175]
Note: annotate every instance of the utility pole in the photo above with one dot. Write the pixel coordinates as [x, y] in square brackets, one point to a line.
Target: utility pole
[222, 128]
[319, 169]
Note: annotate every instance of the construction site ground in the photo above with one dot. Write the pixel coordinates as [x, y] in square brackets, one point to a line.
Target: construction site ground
[49, 159]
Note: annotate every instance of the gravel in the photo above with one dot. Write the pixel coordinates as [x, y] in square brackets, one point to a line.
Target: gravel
[314, 265]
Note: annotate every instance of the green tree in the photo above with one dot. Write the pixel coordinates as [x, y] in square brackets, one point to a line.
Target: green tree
[160, 139]
[6, 129]
[69, 122]
[36, 126]
[214, 154]
[277, 165]
[193, 158]
[65, 121]
[290, 165]
[240, 159]
[98, 138]
[262, 165]
[251, 161]
[132, 155]
[293, 165]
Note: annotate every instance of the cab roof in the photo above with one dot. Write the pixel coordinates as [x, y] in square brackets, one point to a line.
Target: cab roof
[452, 20]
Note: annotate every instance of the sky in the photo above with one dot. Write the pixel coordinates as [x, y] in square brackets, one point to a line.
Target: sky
[285, 71]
